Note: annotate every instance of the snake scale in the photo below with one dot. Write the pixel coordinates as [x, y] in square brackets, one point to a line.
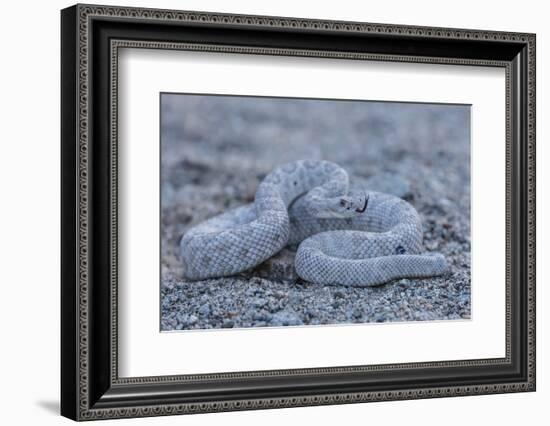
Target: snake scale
[344, 236]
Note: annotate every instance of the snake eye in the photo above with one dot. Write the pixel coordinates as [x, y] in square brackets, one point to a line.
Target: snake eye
[342, 202]
[362, 209]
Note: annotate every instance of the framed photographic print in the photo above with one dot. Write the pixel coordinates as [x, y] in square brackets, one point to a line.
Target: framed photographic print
[263, 212]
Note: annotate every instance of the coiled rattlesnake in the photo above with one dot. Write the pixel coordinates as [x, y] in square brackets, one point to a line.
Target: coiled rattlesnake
[345, 237]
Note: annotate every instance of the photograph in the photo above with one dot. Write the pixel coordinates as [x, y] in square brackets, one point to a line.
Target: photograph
[308, 212]
[263, 210]
[266, 209]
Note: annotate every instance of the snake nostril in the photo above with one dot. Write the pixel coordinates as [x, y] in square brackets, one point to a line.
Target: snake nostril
[400, 250]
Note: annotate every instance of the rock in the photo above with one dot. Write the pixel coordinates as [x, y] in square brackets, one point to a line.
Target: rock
[431, 245]
[205, 310]
[286, 318]
[262, 316]
[278, 268]
[228, 324]
[259, 302]
[339, 294]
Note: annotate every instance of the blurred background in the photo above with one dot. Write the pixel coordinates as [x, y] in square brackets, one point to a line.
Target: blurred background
[216, 149]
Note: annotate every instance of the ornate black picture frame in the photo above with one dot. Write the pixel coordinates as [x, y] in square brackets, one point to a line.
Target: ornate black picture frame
[91, 387]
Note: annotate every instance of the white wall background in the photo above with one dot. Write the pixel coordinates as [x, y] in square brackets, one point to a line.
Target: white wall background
[29, 213]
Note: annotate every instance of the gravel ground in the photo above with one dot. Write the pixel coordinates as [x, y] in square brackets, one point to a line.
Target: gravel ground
[215, 150]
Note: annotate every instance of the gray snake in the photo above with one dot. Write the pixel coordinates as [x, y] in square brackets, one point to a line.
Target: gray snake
[344, 237]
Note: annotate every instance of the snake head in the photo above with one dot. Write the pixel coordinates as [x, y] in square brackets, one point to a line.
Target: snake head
[348, 206]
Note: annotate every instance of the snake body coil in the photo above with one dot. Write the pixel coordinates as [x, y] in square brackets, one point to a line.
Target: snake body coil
[345, 237]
